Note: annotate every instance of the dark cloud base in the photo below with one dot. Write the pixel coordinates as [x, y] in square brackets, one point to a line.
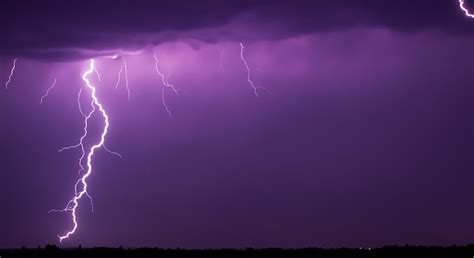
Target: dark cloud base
[62, 30]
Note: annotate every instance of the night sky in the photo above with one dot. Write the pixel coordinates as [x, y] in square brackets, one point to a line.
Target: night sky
[362, 136]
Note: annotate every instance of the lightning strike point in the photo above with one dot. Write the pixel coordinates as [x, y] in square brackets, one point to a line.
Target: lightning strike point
[12, 71]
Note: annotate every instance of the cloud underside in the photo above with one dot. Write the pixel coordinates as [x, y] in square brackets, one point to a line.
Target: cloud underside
[54, 29]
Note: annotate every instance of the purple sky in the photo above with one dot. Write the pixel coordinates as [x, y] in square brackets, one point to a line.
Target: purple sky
[363, 136]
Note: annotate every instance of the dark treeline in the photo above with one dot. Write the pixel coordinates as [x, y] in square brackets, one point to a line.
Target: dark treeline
[388, 251]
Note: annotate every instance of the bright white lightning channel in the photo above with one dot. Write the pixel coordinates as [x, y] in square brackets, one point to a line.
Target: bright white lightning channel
[465, 10]
[80, 188]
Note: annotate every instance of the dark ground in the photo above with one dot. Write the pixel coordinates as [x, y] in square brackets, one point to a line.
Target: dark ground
[388, 251]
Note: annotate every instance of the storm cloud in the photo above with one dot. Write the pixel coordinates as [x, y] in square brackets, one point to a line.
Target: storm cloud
[54, 30]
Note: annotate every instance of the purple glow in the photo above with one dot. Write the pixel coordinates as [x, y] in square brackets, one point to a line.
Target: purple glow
[365, 140]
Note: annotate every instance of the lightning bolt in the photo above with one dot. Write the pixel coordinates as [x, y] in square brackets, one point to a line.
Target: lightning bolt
[97, 73]
[85, 132]
[119, 77]
[255, 88]
[166, 84]
[465, 10]
[47, 91]
[12, 71]
[126, 77]
[80, 188]
[124, 70]
[114, 56]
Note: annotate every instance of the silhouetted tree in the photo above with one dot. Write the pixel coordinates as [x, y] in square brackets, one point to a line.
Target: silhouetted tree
[49, 247]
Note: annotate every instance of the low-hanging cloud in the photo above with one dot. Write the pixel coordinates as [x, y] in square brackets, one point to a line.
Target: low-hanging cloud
[75, 29]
